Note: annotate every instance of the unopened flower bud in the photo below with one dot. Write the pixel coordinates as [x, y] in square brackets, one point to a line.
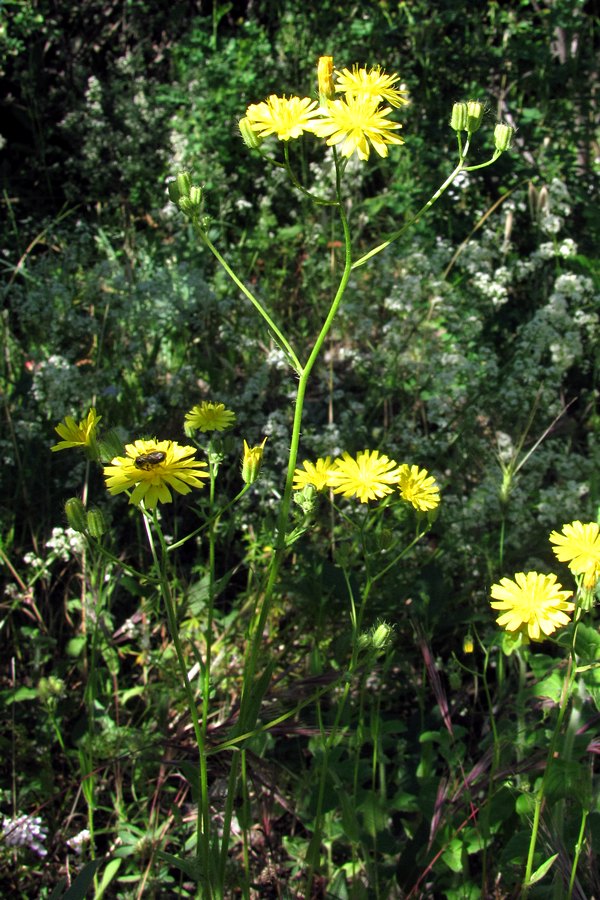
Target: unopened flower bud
[503, 135]
[183, 182]
[96, 522]
[474, 115]
[252, 461]
[382, 635]
[179, 187]
[306, 498]
[196, 195]
[468, 645]
[75, 513]
[458, 121]
[325, 76]
[249, 136]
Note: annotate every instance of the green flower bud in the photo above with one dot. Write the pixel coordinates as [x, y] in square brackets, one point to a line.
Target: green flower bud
[503, 135]
[382, 635]
[96, 522]
[186, 206]
[474, 115]
[249, 136]
[75, 513]
[196, 195]
[183, 182]
[51, 687]
[306, 498]
[458, 120]
[252, 462]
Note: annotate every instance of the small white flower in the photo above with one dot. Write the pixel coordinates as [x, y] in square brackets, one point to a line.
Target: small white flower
[77, 841]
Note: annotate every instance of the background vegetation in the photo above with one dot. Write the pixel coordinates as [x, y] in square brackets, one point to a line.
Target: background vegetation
[463, 347]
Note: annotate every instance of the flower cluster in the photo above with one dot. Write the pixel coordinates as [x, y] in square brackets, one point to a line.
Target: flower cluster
[355, 121]
[535, 605]
[370, 476]
[151, 469]
[25, 831]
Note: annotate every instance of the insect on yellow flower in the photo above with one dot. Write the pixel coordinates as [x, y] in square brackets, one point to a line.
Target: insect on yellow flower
[152, 468]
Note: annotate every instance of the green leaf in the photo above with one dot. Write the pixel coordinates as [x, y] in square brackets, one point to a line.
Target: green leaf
[110, 871]
[80, 886]
[539, 873]
[75, 646]
[189, 867]
[22, 693]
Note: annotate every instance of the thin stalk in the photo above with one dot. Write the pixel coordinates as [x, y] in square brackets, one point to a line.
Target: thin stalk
[578, 849]
[566, 693]
[203, 827]
[284, 510]
[396, 234]
[283, 341]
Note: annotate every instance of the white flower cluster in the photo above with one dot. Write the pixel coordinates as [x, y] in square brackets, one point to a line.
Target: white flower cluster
[25, 831]
[65, 542]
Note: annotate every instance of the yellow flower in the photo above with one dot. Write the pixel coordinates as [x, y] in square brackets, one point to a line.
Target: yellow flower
[354, 122]
[316, 474]
[82, 435]
[285, 117]
[533, 604]
[370, 83]
[418, 487]
[151, 468]
[252, 462]
[208, 417]
[579, 546]
[367, 477]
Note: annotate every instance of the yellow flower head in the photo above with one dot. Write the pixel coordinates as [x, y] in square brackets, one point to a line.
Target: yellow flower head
[354, 122]
[151, 468]
[579, 545]
[252, 462]
[285, 117]
[82, 435]
[316, 474]
[533, 604]
[367, 477]
[370, 83]
[208, 417]
[418, 487]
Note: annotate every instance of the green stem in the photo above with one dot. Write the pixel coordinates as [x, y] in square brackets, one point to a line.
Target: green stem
[304, 373]
[396, 234]
[566, 693]
[578, 849]
[203, 827]
[284, 343]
